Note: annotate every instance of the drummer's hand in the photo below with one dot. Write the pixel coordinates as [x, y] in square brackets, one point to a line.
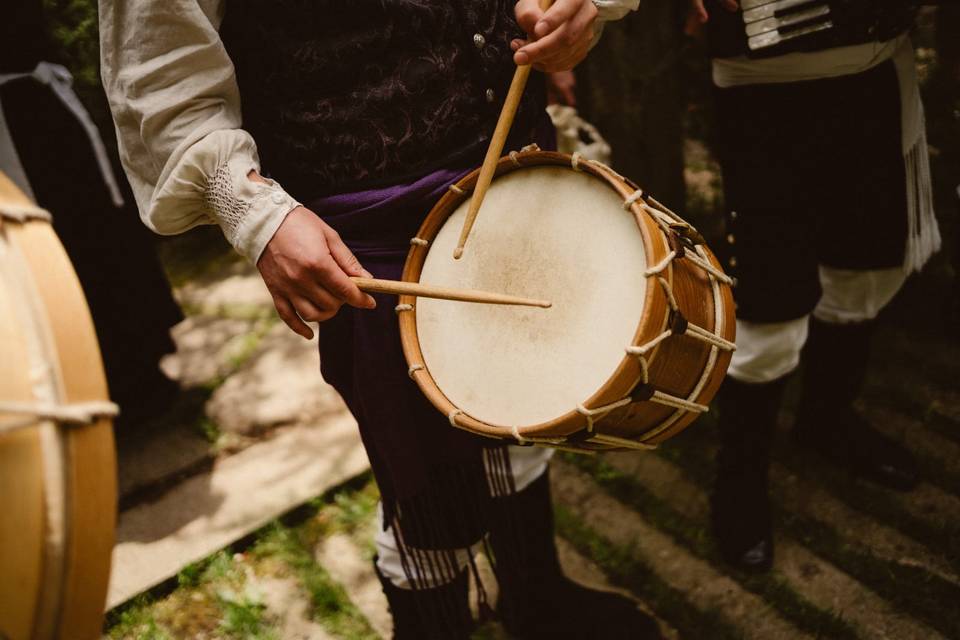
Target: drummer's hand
[559, 37]
[306, 267]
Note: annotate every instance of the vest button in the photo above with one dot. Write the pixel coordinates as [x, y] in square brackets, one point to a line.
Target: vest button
[479, 41]
[490, 95]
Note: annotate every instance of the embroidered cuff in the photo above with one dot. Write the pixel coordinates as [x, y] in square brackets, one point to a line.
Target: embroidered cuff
[248, 212]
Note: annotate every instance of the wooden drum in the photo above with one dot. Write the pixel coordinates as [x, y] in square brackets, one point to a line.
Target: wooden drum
[57, 465]
[638, 338]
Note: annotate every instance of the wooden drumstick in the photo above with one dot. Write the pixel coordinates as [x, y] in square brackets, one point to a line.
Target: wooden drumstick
[504, 122]
[373, 285]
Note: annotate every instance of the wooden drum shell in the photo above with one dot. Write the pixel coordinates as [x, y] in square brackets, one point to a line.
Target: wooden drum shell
[676, 365]
[57, 482]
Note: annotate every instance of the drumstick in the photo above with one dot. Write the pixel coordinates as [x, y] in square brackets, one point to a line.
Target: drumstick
[373, 285]
[504, 122]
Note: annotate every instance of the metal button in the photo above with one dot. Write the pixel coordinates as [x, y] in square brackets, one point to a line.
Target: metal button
[278, 198]
[732, 261]
[730, 238]
[733, 215]
[479, 41]
[490, 95]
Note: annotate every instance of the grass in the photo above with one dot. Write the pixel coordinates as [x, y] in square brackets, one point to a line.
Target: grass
[215, 597]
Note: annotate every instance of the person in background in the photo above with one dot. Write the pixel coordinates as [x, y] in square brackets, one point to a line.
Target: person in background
[52, 150]
[820, 137]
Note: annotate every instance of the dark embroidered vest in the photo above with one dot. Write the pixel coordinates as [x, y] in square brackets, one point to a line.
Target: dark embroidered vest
[342, 95]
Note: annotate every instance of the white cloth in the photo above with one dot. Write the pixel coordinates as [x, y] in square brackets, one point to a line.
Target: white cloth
[923, 234]
[767, 351]
[526, 463]
[176, 105]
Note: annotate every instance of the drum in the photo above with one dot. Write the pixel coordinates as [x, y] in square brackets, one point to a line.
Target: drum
[57, 466]
[637, 340]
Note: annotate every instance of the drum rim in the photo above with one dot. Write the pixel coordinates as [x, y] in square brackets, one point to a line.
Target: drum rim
[628, 373]
[75, 605]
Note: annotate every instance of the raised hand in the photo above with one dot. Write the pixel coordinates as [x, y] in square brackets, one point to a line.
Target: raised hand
[559, 38]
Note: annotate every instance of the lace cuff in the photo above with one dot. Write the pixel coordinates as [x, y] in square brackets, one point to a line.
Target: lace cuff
[248, 212]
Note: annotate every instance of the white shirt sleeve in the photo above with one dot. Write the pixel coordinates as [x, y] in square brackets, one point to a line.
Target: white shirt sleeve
[174, 97]
[608, 10]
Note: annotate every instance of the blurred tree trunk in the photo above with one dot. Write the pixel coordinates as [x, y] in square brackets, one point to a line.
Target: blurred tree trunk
[629, 87]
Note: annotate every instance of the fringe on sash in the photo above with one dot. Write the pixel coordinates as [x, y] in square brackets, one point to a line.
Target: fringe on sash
[437, 536]
[923, 233]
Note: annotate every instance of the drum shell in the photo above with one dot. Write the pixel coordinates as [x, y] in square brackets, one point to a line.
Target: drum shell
[677, 366]
[58, 482]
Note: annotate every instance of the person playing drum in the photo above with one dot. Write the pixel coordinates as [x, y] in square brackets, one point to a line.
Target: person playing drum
[821, 140]
[368, 112]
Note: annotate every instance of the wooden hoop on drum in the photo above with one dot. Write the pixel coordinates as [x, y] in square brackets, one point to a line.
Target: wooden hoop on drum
[645, 392]
[57, 460]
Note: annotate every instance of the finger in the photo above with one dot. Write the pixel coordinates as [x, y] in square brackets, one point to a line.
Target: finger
[311, 312]
[568, 59]
[291, 319]
[700, 11]
[528, 13]
[330, 276]
[558, 44]
[351, 266]
[730, 5]
[516, 44]
[569, 95]
[558, 14]
[322, 300]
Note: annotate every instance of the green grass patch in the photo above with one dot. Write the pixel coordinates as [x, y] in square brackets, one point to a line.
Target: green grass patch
[693, 536]
[625, 568]
[331, 606]
[135, 620]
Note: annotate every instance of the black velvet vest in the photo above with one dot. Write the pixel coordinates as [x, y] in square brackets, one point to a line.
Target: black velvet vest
[342, 95]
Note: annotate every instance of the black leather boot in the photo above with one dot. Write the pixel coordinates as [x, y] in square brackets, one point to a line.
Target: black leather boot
[536, 599]
[441, 613]
[834, 367]
[740, 506]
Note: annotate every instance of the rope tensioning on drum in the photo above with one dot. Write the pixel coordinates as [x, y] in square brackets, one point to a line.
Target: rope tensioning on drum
[71, 414]
[683, 239]
[23, 212]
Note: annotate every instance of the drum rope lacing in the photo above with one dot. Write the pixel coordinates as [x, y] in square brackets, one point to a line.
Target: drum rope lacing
[684, 240]
[23, 212]
[70, 414]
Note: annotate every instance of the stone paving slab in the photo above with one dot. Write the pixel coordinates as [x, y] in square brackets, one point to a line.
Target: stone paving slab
[814, 578]
[160, 456]
[345, 561]
[705, 587]
[240, 494]
[280, 384]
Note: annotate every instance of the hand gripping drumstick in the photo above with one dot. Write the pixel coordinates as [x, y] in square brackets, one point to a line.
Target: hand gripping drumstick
[504, 122]
[373, 285]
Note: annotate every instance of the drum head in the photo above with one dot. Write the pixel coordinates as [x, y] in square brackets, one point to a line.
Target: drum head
[543, 232]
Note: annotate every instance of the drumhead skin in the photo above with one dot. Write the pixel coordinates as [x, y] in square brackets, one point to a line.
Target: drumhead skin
[549, 233]
[638, 338]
